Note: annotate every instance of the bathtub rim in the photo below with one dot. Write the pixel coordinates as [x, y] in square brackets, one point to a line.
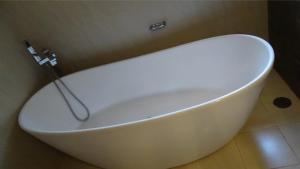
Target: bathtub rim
[261, 75]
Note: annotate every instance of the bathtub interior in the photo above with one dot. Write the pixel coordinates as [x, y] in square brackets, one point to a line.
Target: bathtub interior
[151, 85]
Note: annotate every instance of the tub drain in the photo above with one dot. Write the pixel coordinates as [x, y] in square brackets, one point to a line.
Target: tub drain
[282, 102]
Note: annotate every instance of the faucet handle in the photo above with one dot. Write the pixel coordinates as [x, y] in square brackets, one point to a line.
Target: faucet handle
[27, 43]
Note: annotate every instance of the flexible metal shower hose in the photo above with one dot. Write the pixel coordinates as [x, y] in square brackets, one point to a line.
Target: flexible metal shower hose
[56, 77]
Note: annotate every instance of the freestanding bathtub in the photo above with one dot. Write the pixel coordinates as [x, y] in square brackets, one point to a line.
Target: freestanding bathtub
[159, 110]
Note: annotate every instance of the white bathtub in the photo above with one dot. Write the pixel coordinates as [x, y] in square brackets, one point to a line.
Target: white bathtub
[159, 110]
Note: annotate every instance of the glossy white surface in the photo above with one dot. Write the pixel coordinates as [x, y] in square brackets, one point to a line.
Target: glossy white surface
[159, 110]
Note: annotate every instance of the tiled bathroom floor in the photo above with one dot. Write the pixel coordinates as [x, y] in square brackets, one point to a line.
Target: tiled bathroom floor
[269, 140]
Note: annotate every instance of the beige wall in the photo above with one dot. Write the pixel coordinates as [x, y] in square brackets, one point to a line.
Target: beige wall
[86, 34]
[19, 77]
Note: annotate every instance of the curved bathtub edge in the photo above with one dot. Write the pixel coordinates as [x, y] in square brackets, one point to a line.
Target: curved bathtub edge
[261, 76]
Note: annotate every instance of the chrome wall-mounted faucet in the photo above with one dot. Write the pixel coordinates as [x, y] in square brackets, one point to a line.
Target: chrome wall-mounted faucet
[47, 56]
